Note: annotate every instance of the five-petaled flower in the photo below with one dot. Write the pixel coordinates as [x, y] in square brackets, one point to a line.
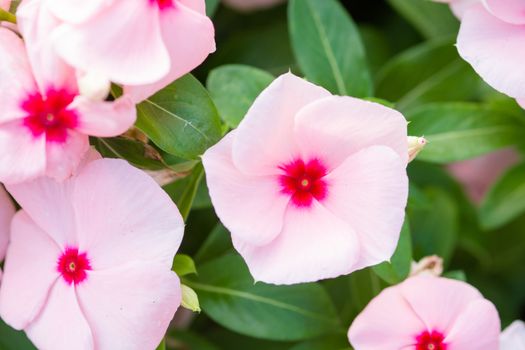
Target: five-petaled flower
[311, 185]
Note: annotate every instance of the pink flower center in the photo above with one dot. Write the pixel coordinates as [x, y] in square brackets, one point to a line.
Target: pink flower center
[431, 341]
[304, 181]
[50, 115]
[73, 266]
[163, 4]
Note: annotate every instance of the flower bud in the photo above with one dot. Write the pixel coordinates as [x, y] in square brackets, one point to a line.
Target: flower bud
[94, 86]
[415, 145]
[190, 300]
[429, 265]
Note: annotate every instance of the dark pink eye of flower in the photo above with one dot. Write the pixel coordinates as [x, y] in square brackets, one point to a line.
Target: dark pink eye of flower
[73, 266]
[49, 115]
[304, 181]
[164, 4]
[431, 341]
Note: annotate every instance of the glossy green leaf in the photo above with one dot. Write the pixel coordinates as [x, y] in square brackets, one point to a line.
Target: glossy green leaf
[136, 153]
[162, 345]
[188, 340]
[233, 88]
[216, 245]
[211, 7]
[230, 297]
[181, 119]
[506, 199]
[183, 265]
[398, 268]
[183, 191]
[328, 47]
[332, 343]
[13, 340]
[431, 19]
[459, 131]
[429, 72]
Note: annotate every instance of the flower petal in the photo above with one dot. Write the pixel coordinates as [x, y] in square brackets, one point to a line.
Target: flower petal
[7, 211]
[189, 38]
[369, 191]
[341, 126]
[264, 137]
[510, 11]
[513, 337]
[476, 328]
[23, 156]
[77, 11]
[123, 43]
[61, 324]
[26, 282]
[388, 322]
[196, 5]
[130, 307]
[313, 245]
[495, 50]
[240, 200]
[64, 158]
[128, 216]
[105, 119]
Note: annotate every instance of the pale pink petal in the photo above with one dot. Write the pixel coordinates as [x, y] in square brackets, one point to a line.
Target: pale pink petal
[513, 337]
[123, 43]
[16, 80]
[77, 10]
[263, 140]
[495, 50]
[510, 11]
[63, 158]
[196, 5]
[521, 102]
[250, 206]
[130, 307]
[251, 5]
[336, 127]
[314, 244]
[439, 302]
[90, 156]
[369, 191]
[5, 4]
[61, 324]
[48, 203]
[189, 38]
[476, 328]
[7, 210]
[36, 24]
[127, 218]
[30, 271]
[23, 156]
[388, 322]
[104, 119]
[459, 7]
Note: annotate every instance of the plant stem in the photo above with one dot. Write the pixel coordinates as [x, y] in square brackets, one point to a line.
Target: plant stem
[7, 16]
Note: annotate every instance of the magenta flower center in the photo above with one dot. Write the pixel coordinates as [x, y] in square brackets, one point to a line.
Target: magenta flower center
[73, 265]
[163, 4]
[50, 115]
[430, 341]
[304, 182]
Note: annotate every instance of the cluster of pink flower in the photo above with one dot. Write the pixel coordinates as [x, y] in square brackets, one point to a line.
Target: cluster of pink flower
[308, 187]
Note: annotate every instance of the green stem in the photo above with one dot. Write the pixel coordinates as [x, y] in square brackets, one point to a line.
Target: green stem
[7, 16]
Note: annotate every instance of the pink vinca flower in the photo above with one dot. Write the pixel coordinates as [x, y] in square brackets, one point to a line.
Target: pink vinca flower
[144, 44]
[459, 7]
[89, 263]
[427, 313]
[491, 39]
[44, 121]
[251, 5]
[7, 210]
[513, 337]
[479, 174]
[311, 185]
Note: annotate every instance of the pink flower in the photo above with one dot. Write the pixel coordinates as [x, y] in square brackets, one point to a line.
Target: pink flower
[89, 263]
[424, 313]
[5, 4]
[311, 185]
[459, 7]
[491, 39]
[44, 122]
[7, 210]
[251, 5]
[479, 174]
[513, 337]
[144, 44]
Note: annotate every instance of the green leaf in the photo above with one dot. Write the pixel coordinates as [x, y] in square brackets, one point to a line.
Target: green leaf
[434, 227]
[183, 265]
[432, 20]
[230, 297]
[456, 275]
[398, 268]
[429, 72]
[506, 199]
[211, 7]
[328, 47]
[216, 245]
[181, 119]
[331, 343]
[187, 340]
[136, 153]
[233, 88]
[183, 191]
[459, 131]
[162, 345]
[13, 340]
